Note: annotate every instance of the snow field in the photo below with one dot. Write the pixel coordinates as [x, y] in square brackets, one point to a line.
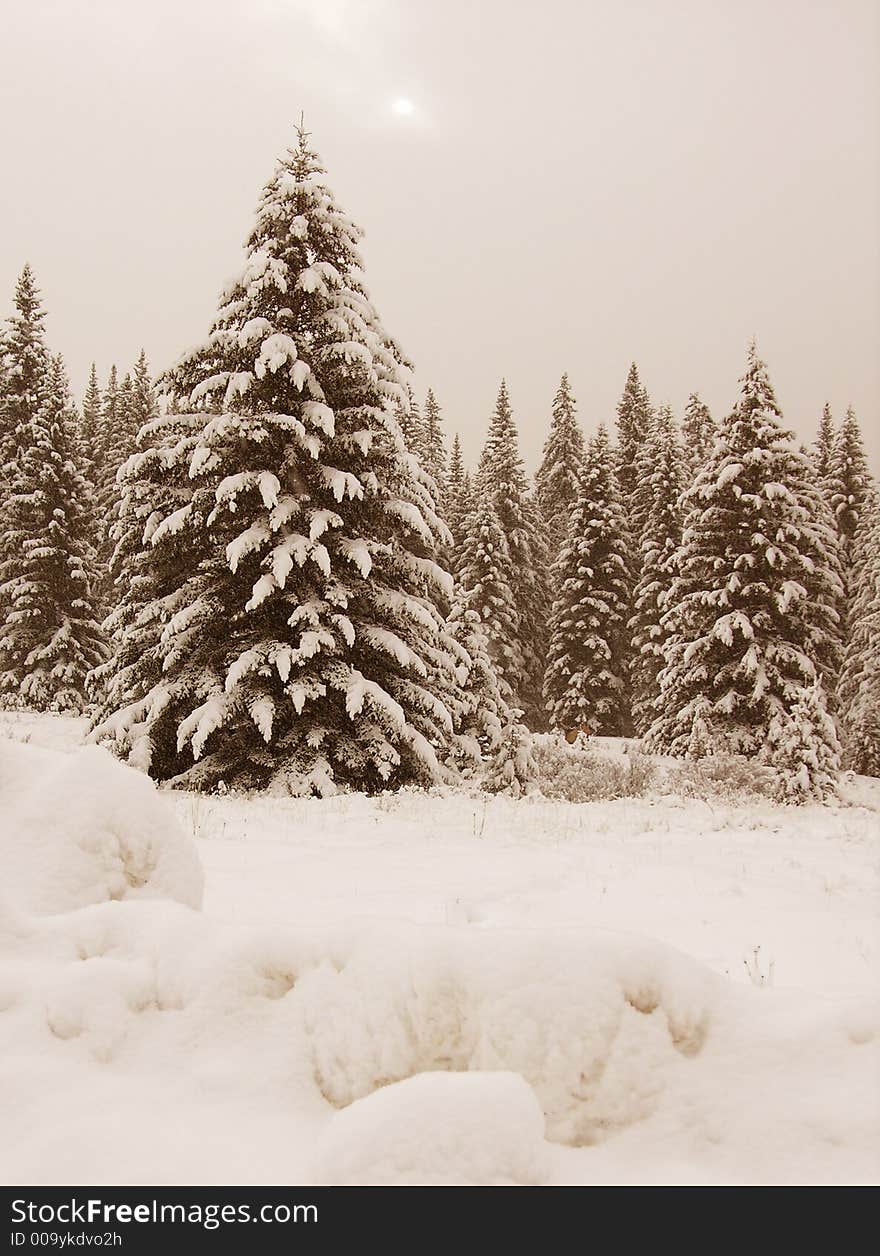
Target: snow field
[355, 1020]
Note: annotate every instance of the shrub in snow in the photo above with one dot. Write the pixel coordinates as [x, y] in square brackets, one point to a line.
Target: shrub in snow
[577, 773]
[305, 648]
[81, 828]
[723, 777]
[512, 770]
[753, 609]
[437, 1129]
[803, 749]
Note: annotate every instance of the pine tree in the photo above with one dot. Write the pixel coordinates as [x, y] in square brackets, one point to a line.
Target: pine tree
[150, 587]
[849, 477]
[434, 459]
[803, 748]
[585, 685]
[25, 365]
[633, 422]
[409, 416]
[698, 431]
[49, 638]
[860, 675]
[484, 571]
[144, 408]
[90, 425]
[824, 447]
[307, 651]
[501, 479]
[556, 481]
[459, 501]
[482, 712]
[660, 542]
[752, 619]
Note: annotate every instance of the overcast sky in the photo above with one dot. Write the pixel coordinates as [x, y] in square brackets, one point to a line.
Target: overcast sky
[579, 183]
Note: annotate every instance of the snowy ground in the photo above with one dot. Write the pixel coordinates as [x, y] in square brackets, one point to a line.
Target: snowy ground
[418, 988]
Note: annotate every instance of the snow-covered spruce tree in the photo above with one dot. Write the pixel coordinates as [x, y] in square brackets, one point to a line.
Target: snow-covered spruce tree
[434, 450]
[585, 683]
[412, 425]
[90, 426]
[660, 542]
[484, 573]
[698, 430]
[149, 587]
[823, 448]
[501, 479]
[459, 501]
[752, 618]
[25, 362]
[49, 639]
[307, 652]
[803, 748]
[481, 713]
[633, 422]
[860, 676]
[850, 479]
[143, 406]
[556, 481]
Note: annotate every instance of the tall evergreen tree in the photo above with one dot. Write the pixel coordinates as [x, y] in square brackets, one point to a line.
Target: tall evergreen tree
[90, 425]
[501, 479]
[633, 422]
[144, 408]
[149, 575]
[49, 639]
[849, 476]
[481, 713]
[660, 543]
[484, 574]
[556, 481]
[307, 651]
[25, 369]
[698, 431]
[824, 446]
[409, 416]
[860, 676]
[458, 502]
[434, 459]
[585, 684]
[752, 617]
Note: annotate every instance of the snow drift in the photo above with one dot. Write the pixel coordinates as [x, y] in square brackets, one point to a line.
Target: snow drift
[82, 828]
[144, 1042]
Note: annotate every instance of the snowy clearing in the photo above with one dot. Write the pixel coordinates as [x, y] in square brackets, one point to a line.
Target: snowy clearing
[419, 988]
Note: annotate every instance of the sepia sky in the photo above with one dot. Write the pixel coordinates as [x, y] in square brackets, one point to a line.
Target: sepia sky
[546, 187]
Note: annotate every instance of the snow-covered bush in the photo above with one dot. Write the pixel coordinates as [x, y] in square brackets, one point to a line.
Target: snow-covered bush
[803, 749]
[513, 769]
[722, 777]
[577, 773]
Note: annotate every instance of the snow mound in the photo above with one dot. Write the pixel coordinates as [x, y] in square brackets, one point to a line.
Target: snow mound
[437, 1129]
[82, 828]
[596, 1026]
